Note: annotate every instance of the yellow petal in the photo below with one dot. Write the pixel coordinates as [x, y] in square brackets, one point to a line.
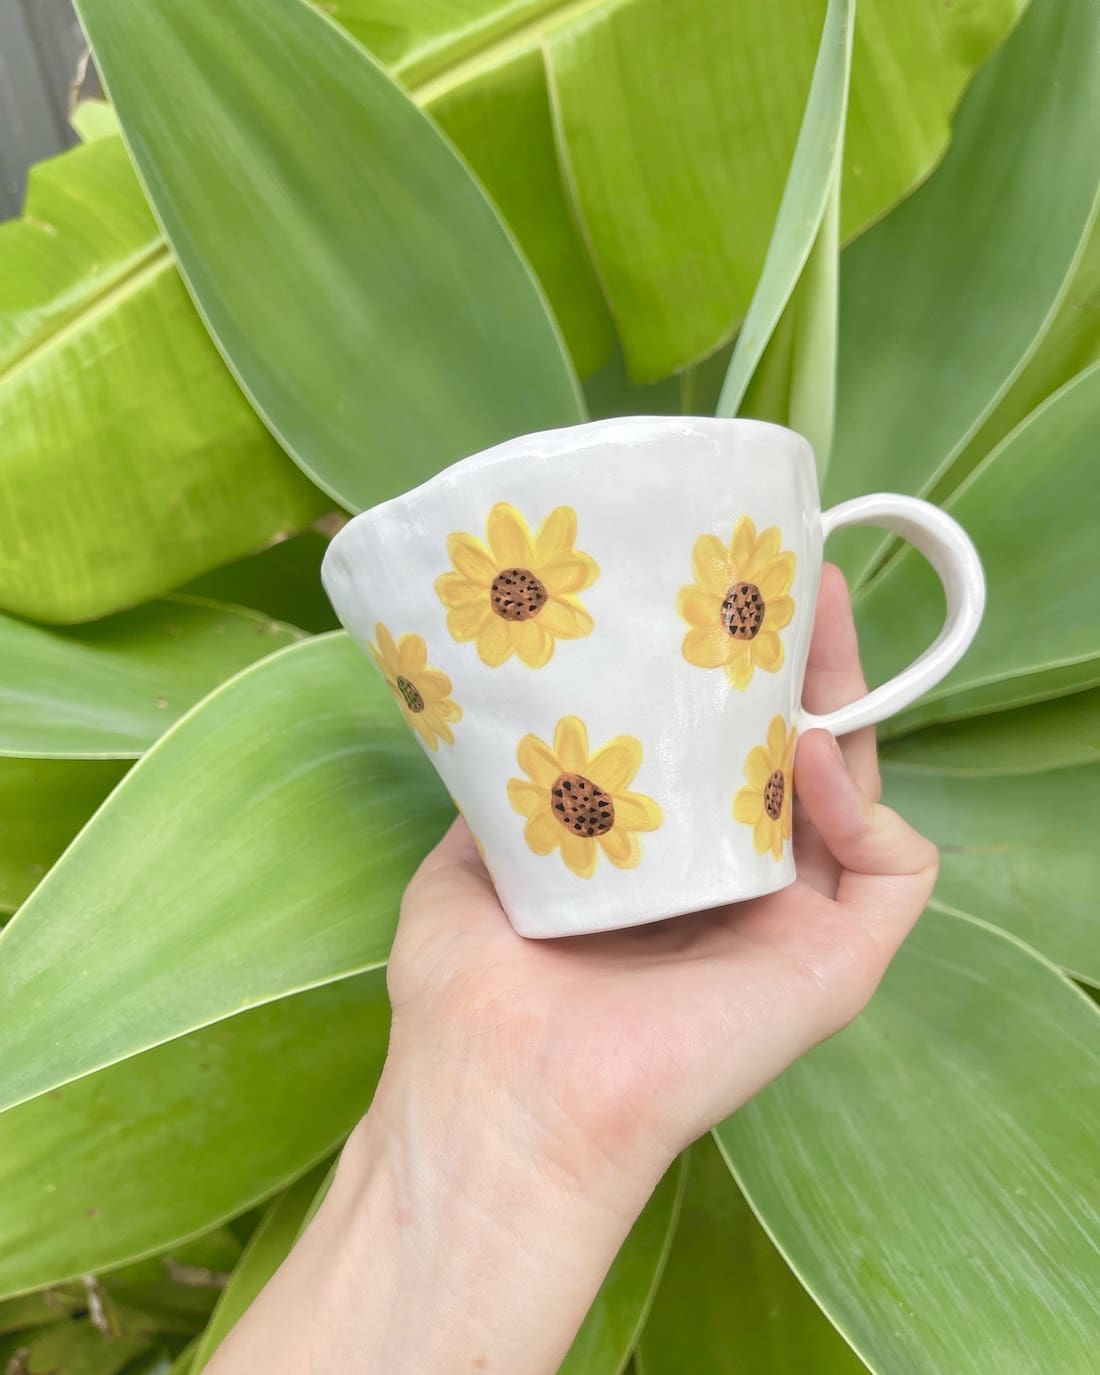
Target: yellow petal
[568, 573]
[449, 710]
[533, 644]
[758, 768]
[777, 740]
[412, 655]
[472, 559]
[571, 744]
[494, 642]
[777, 612]
[710, 564]
[423, 728]
[742, 545]
[508, 538]
[445, 732]
[557, 535]
[775, 577]
[767, 546]
[613, 767]
[539, 762]
[434, 684]
[453, 589]
[762, 833]
[543, 833]
[565, 619]
[579, 852]
[527, 798]
[636, 812]
[467, 622]
[739, 669]
[699, 608]
[767, 650]
[387, 646]
[788, 751]
[623, 848]
[708, 648]
[748, 806]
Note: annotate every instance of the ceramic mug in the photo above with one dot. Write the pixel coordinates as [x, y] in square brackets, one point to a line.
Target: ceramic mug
[599, 635]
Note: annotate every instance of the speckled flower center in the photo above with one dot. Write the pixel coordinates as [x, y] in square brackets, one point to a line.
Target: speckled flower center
[517, 595]
[582, 806]
[413, 699]
[743, 611]
[774, 789]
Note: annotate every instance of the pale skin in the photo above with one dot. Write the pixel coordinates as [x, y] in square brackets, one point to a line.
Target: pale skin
[535, 1091]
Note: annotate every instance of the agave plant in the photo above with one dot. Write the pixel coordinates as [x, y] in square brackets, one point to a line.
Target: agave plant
[362, 240]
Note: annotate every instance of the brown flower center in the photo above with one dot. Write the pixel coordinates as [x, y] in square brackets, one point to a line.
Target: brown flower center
[774, 789]
[517, 595]
[582, 806]
[413, 699]
[743, 611]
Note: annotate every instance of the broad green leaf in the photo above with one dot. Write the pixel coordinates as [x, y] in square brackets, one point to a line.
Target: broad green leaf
[266, 1251]
[611, 1329]
[677, 124]
[728, 1303]
[936, 317]
[1021, 851]
[43, 803]
[260, 847]
[610, 392]
[109, 689]
[166, 1144]
[180, 1288]
[1032, 508]
[803, 249]
[131, 460]
[94, 119]
[1048, 735]
[71, 1348]
[930, 1174]
[42, 1309]
[283, 580]
[409, 330]
[184, 1362]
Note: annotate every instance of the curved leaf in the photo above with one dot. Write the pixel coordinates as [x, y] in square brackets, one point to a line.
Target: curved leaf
[108, 690]
[677, 124]
[410, 331]
[151, 469]
[930, 1174]
[728, 1303]
[74, 1348]
[166, 1144]
[937, 318]
[1022, 851]
[1032, 508]
[283, 580]
[261, 847]
[613, 1324]
[265, 1252]
[1034, 739]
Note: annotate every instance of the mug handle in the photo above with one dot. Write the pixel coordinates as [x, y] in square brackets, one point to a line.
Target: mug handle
[950, 551]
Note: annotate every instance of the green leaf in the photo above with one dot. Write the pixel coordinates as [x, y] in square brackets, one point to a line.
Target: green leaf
[166, 1144]
[937, 319]
[108, 690]
[72, 1348]
[260, 847]
[43, 803]
[1021, 851]
[153, 468]
[930, 1174]
[610, 392]
[283, 580]
[94, 119]
[728, 1303]
[611, 1329]
[266, 1251]
[803, 249]
[1032, 508]
[1049, 735]
[677, 124]
[409, 331]
[41, 1310]
[179, 1289]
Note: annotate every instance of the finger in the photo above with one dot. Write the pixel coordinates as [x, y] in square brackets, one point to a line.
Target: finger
[888, 868]
[834, 676]
[451, 877]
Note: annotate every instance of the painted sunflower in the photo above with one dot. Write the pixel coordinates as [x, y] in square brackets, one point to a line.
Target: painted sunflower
[423, 693]
[738, 603]
[516, 595]
[580, 803]
[765, 804]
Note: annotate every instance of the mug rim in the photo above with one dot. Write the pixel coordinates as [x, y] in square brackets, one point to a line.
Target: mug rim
[499, 454]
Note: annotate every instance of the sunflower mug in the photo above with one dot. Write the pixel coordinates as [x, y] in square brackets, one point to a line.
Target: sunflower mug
[599, 635]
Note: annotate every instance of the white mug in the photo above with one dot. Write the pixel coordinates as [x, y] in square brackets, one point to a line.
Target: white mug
[599, 635]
